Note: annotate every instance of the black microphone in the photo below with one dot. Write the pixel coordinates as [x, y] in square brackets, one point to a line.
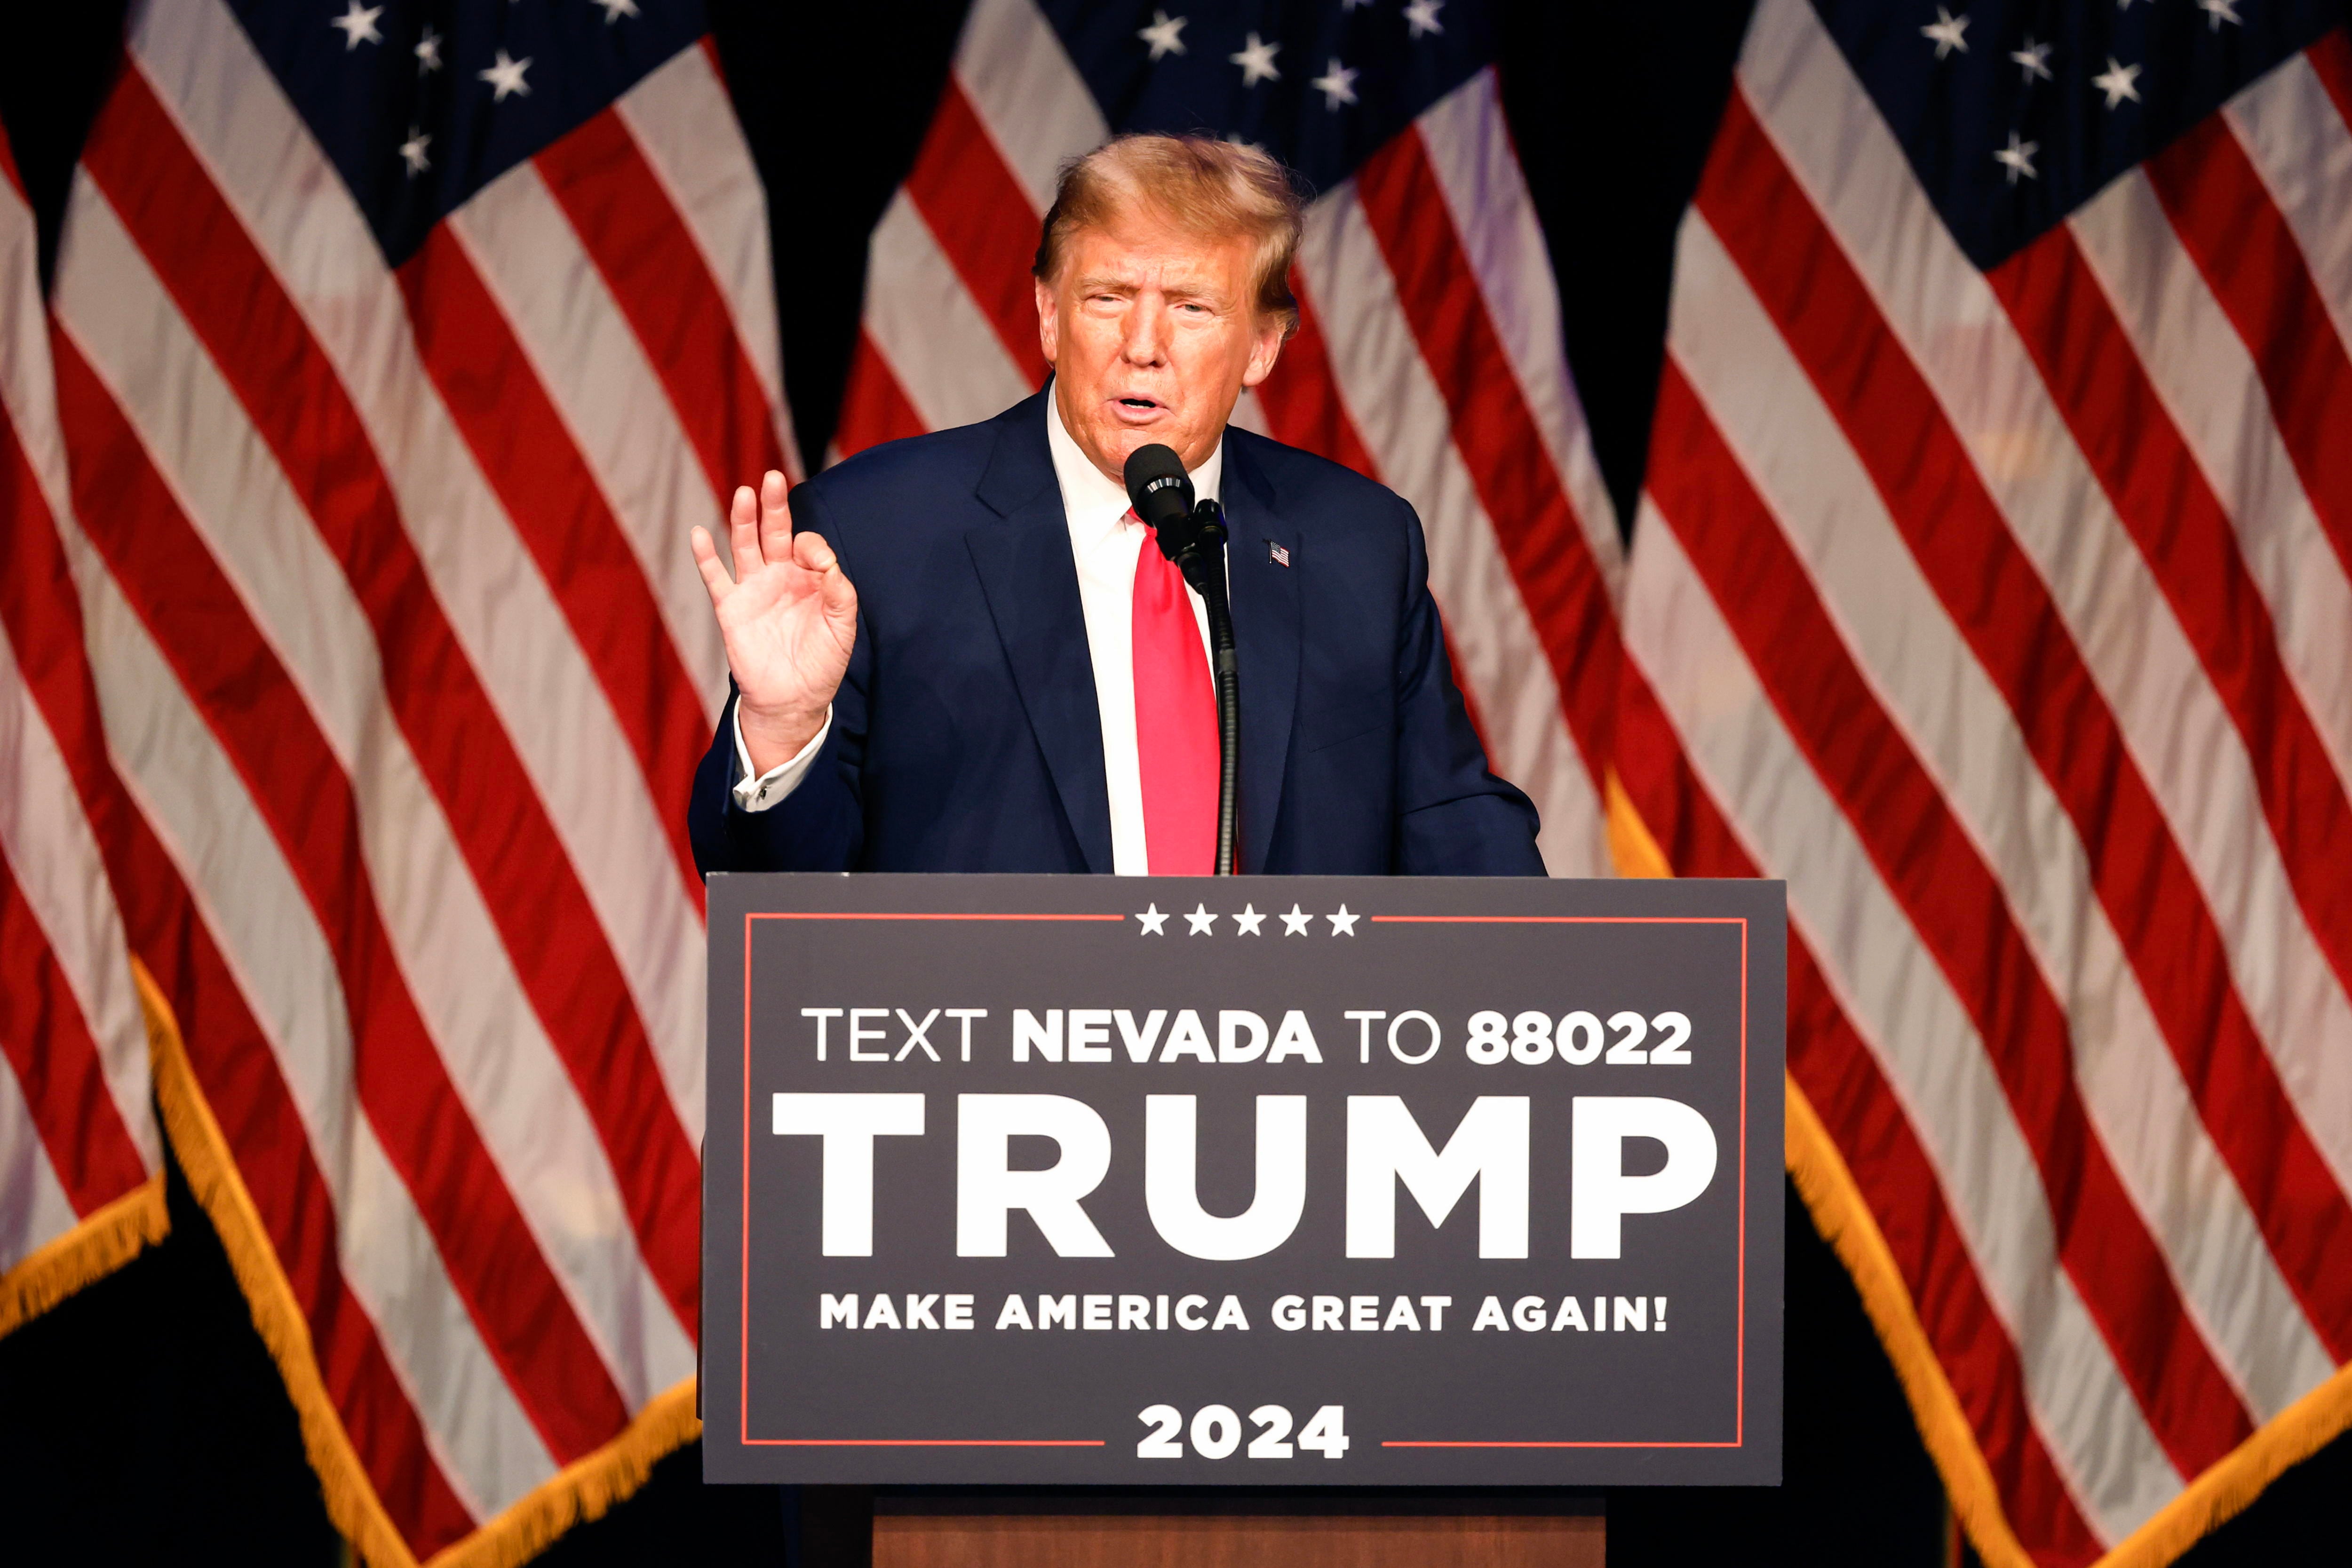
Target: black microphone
[1192, 534]
[1158, 486]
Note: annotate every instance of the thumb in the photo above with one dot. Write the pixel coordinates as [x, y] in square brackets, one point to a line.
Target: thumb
[839, 593]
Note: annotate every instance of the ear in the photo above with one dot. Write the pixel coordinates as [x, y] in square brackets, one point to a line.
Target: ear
[1048, 322]
[1264, 353]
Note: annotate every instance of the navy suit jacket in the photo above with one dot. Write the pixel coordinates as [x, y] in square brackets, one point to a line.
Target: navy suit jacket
[966, 738]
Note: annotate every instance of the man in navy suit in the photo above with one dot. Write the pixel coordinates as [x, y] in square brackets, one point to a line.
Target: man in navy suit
[963, 653]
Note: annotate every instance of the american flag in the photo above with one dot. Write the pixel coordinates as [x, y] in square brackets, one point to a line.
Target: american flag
[395, 346]
[1429, 356]
[80, 1152]
[1992, 584]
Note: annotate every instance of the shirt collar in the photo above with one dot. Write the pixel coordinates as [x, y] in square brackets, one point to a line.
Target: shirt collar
[1093, 502]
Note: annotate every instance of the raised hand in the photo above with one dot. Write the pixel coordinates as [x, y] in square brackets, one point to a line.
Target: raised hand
[789, 618]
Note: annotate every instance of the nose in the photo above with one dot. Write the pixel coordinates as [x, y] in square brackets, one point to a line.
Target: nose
[1144, 345]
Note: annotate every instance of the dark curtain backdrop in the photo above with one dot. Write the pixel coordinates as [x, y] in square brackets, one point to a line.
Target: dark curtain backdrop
[142, 1420]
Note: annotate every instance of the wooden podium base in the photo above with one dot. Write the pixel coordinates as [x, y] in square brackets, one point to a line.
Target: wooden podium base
[1296, 1530]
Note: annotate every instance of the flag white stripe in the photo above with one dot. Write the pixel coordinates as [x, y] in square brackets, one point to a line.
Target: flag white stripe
[1486, 196]
[685, 125]
[34, 1210]
[1944, 313]
[2200, 368]
[1900, 1000]
[505, 1069]
[1928, 681]
[1020, 82]
[929, 329]
[2300, 146]
[54, 857]
[583, 353]
[1396, 408]
[547, 698]
[28, 393]
[191, 795]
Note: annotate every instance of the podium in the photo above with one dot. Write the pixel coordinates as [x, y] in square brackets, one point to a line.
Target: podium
[1102, 1200]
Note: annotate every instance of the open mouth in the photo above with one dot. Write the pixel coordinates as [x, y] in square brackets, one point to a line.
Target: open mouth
[1136, 405]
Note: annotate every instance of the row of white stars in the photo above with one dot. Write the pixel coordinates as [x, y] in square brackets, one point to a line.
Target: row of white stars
[358, 26]
[1949, 34]
[504, 77]
[1247, 923]
[2119, 81]
[1337, 84]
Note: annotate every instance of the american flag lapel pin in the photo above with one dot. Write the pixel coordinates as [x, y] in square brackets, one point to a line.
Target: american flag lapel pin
[1277, 553]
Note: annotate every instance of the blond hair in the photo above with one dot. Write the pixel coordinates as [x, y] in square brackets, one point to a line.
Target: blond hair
[1211, 189]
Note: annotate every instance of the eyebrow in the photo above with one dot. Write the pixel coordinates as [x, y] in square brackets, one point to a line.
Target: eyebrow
[1104, 284]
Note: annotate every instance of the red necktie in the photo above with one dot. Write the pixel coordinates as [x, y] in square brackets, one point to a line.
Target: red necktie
[1175, 721]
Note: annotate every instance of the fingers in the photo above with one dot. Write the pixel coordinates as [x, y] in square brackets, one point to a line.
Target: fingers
[706, 561]
[743, 532]
[812, 553]
[775, 518]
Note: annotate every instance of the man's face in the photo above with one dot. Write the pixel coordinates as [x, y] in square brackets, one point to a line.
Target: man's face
[1152, 334]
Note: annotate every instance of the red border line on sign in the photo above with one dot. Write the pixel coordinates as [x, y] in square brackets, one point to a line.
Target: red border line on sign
[924, 1442]
[1533, 1444]
[1740, 1374]
[743, 1265]
[928, 916]
[1561, 919]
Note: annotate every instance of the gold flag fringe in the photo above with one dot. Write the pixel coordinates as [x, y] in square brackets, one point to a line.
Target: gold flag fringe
[583, 1489]
[1846, 1221]
[1843, 1218]
[2223, 1492]
[103, 1242]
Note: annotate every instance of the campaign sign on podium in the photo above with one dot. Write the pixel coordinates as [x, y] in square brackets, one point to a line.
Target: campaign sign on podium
[1247, 1181]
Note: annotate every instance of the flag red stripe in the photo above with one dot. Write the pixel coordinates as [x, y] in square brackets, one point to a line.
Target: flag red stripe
[981, 219]
[251, 705]
[42, 1030]
[662, 284]
[239, 1078]
[229, 297]
[46, 1041]
[1461, 688]
[1303, 407]
[2001, 605]
[1507, 457]
[233, 1063]
[2230, 226]
[2164, 501]
[1955, 903]
[1301, 398]
[1897, 1178]
[1899, 1182]
[525, 453]
[874, 409]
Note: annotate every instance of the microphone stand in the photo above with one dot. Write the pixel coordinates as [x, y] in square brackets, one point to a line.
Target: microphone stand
[1198, 549]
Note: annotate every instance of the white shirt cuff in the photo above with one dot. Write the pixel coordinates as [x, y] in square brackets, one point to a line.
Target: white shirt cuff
[760, 794]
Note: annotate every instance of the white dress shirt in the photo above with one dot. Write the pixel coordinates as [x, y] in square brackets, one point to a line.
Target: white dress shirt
[1106, 544]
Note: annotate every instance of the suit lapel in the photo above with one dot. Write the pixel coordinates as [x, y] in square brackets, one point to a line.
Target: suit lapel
[1265, 641]
[1022, 557]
